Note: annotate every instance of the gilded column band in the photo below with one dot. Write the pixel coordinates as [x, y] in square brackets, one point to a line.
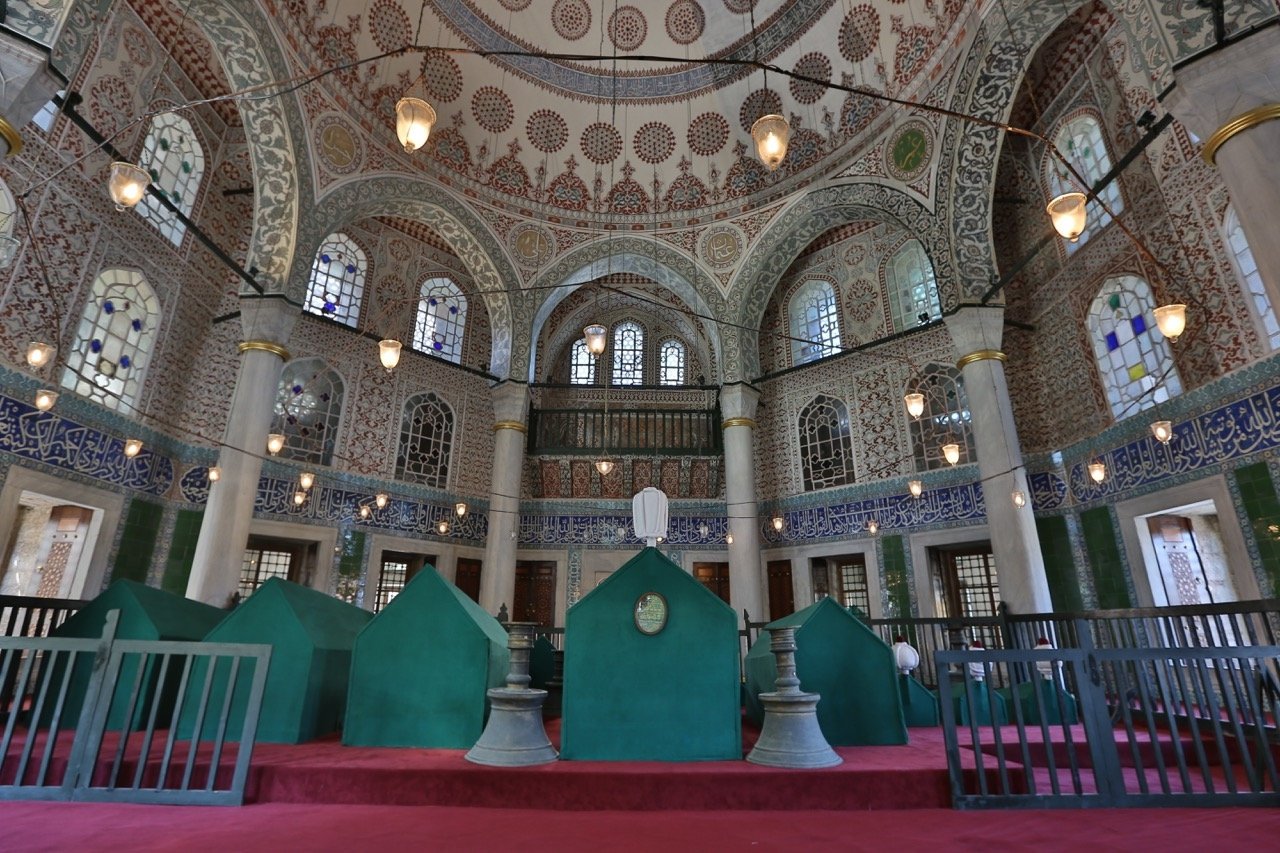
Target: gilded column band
[515, 425]
[980, 355]
[737, 422]
[264, 346]
[11, 136]
[1239, 124]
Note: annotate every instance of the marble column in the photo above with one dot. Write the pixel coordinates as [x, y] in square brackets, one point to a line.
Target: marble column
[746, 580]
[224, 533]
[26, 85]
[1230, 99]
[510, 427]
[977, 333]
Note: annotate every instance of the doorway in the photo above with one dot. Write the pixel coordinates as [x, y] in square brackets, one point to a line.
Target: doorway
[715, 577]
[781, 593]
[1188, 562]
[535, 593]
[50, 547]
[397, 569]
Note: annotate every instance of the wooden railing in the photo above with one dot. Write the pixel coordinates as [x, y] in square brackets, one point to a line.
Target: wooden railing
[673, 431]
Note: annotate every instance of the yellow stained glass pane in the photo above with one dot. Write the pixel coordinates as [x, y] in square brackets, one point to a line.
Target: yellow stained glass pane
[1137, 372]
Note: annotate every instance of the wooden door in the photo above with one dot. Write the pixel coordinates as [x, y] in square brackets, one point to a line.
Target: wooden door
[467, 577]
[781, 594]
[715, 577]
[535, 593]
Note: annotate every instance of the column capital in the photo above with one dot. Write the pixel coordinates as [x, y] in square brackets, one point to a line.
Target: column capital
[738, 404]
[510, 406]
[263, 346]
[1215, 90]
[976, 331]
[268, 319]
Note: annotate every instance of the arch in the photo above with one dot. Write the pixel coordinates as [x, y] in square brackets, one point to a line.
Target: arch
[813, 317]
[672, 362]
[628, 353]
[947, 418]
[911, 285]
[486, 261]
[667, 267]
[582, 364]
[115, 339]
[1082, 141]
[993, 68]
[782, 241]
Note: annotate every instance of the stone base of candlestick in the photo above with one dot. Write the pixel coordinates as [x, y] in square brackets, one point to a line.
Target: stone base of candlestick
[791, 736]
[514, 735]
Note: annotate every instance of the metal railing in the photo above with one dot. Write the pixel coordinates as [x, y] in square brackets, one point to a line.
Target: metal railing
[675, 431]
[1085, 727]
[33, 616]
[110, 720]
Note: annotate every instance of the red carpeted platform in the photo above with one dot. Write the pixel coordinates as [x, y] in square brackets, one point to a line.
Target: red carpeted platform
[887, 777]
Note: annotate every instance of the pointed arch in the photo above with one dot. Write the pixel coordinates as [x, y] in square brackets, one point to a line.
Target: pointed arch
[826, 444]
[912, 287]
[947, 418]
[813, 314]
[308, 410]
[115, 340]
[173, 156]
[1134, 360]
[338, 273]
[426, 441]
[441, 319]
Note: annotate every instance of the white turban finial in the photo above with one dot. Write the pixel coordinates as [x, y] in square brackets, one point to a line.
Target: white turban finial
[649, 515]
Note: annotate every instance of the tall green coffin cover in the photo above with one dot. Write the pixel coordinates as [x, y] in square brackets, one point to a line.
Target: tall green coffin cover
[667, 696]
[311, 635]
[841, 659]
[146, 613]
[421, 668]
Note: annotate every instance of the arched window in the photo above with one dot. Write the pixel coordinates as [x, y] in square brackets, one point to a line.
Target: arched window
[426, 440]
[1080, 141]
[114, 341]
[1133, 357]
[1247, 269]
[628, 354]
[671, 363]
[582, 364]
[173, 157]
[913, 291]
[336, 289]
[309, 410]
[8, 222]
[946, 418]
[442, 318]
[814, 315]
[826, 450]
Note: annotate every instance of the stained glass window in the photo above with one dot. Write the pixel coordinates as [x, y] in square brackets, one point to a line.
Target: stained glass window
[1080, 141]
[913, 291]
[1247, 269]
[309, 410]
[8, 211]
[582, 364]
[815, 323]
[426, 440]
[826, 449]
[173, 157]
[114, 340]
[336, 289]
[946, 418]
[671, 363]
[628, 353]
[442, 318]
[1133, 357]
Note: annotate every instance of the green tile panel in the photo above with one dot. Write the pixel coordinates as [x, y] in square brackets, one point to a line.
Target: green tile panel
[1262, 507]
[138, 541]
[182, 551]
[1104, 558]
[1059, 565]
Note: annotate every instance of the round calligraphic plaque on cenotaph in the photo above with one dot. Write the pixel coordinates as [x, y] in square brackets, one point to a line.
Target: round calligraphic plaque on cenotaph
[651, 613]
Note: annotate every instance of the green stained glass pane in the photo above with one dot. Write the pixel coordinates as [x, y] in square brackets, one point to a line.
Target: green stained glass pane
[164, 144]
[186, 167]
[1137, 372]
[1114, 301]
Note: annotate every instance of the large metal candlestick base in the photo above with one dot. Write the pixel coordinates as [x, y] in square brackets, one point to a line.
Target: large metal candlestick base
[790, 736]
[514, 735]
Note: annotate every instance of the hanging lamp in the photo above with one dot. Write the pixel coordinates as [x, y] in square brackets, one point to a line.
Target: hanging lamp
[772, 135]
[127, 184]
[45, 398]
[1171, 320]
[916, 488]
[389, 353]
[951, 452]
[414, 120]
[915, 404]
[39, 354]
[1068, 214]
[1162, 430]
[1098, 471]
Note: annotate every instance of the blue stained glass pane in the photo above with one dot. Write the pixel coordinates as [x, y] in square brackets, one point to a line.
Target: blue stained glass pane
[95, 345]
[1112, 341]
[329, 308]
[291, 420]
[325, 396]
[297, 389]
[125, 361]
[432, 301]
[1139, 324]
[324, 258]
[351, 268]
[437, 346]
[109, 307]
[137, 325]
[453, 309]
